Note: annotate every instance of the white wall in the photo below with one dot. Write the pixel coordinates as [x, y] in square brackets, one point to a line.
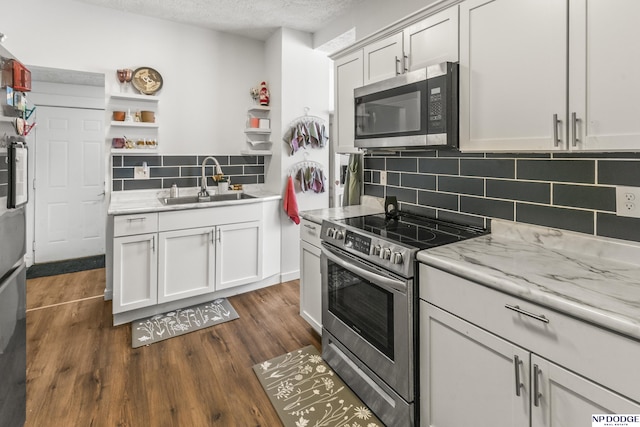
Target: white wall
[207, 74]
[304, 83]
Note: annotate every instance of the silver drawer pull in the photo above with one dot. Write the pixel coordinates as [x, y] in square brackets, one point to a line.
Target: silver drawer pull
[516, 363]
[517, 309]
[310, 227]
[137, 219]
[536, 385]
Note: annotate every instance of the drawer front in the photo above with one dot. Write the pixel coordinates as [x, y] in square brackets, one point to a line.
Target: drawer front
[603, 356]
[195, 218]
[310, 232]
[126, 225]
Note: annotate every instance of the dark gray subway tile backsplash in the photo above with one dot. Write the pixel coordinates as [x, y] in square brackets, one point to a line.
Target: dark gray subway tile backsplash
[184, 171]
[570, 191]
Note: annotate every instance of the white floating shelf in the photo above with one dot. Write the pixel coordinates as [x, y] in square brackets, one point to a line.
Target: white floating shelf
[254, 143]
[135, 97]
[260, 108]
[256, 152]
[133, 150]
[257, 131]
[134, 124]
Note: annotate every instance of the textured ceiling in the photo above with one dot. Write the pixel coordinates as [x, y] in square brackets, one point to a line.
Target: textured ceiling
[253, 18]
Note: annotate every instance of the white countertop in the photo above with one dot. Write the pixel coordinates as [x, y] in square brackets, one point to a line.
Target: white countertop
[369, 206]
[591, 278]
[140, 201]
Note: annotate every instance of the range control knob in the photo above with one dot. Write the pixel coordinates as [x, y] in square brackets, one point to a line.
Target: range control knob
[339, 235]
[376, 250]
[331, 232]
[396, 258]
[385, 253]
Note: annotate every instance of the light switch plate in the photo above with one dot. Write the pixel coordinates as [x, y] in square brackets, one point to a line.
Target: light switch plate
[628, 201]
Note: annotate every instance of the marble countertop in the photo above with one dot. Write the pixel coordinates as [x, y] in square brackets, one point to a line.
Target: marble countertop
[591, 278]
[369, 206]
[132, 202]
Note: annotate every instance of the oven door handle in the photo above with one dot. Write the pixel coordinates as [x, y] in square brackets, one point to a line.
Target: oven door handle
[380, 280]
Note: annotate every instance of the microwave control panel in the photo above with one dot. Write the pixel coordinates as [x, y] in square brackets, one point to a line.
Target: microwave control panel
[436, 105]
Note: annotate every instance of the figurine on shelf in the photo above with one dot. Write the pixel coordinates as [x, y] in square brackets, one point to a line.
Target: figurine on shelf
[264, 94]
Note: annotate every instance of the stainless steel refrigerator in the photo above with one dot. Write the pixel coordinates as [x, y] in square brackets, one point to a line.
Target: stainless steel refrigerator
[13, 276]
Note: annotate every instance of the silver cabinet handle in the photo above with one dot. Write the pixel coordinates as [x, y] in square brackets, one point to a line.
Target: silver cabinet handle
[397, 64]
[405, 61]
[153, 243]
[574, 130]
[517, 309]
[142, 218]
[536, 385]
[311, 227]
[212, 232]
[516, 363]
[556, 122]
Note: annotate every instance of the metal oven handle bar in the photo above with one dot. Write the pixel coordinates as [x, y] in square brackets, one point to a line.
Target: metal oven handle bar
[382, 281]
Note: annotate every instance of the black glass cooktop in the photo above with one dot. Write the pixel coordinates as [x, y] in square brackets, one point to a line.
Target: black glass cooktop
[413, 230]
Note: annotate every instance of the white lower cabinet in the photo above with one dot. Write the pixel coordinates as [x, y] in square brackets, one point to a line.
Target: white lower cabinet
[135, 272]
[462, 366]
[484, 364]
[310, 279]
[187, 263]
[168, 256]
[568, 399]
[239, 255]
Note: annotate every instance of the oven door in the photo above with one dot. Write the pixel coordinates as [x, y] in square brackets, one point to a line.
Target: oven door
[368, 310]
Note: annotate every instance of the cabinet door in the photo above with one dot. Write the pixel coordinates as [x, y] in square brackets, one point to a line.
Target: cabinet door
[238, 254]
[566, 399]
[433, 40]
[135, 272]
[469, 377]
[348, 76]
[604, 88]
[186, 263]
[383, 59]
[513, 75]
[310, 285]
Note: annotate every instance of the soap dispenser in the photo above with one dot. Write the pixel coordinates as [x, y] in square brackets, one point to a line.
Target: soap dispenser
[174, 191]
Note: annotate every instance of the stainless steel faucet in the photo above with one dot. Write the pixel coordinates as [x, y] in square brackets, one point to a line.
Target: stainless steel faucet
[203, 182]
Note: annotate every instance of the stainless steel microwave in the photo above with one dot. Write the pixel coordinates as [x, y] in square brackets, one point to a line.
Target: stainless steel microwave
[415, 110]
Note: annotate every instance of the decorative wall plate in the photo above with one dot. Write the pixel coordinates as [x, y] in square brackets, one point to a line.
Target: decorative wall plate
[146, 80]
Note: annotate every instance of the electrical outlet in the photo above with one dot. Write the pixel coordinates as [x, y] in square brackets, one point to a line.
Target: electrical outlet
[140, 172]
[628, 201]
[383, 177]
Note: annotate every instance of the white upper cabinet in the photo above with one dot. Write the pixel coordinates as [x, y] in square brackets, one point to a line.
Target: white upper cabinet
[604, 83]
[348, 76]
[432, 40]
[513, 68]
[549, 75]
[383, 59]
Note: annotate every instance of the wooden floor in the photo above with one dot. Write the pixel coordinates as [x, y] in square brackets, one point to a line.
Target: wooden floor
[82, 371]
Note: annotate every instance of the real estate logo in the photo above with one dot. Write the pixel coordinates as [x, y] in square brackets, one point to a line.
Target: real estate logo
[615, 420]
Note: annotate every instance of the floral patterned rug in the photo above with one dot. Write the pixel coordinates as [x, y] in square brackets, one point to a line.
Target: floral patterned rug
[306, 392]
[181, 321]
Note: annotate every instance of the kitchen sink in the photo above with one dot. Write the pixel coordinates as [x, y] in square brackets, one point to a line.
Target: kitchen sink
[196, 199]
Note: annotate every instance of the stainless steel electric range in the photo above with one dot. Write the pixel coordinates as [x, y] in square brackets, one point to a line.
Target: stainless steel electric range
[369, 301]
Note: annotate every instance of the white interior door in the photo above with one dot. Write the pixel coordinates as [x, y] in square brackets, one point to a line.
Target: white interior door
[69, 194]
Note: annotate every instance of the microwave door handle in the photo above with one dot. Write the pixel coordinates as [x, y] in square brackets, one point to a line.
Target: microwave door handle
[382, 281]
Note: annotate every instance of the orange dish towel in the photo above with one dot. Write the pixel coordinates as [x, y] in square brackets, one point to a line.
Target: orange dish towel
[290, 203]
